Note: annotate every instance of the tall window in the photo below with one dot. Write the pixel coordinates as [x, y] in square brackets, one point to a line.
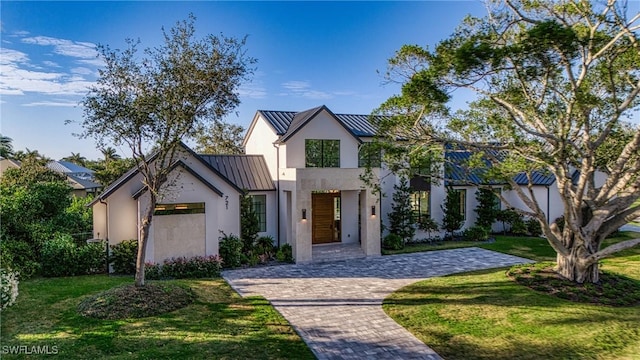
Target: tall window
[420, 205]
[369, 155]
[322, 153]
[497, 203]
[462, 202]
[260, 209]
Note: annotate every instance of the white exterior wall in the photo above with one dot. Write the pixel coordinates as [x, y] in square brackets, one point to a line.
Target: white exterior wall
[323, 127]
[122, 213]
[259, 141]
[349, 216]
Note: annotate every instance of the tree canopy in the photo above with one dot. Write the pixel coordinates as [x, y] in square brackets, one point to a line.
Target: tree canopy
[150, 103]
[556, 88]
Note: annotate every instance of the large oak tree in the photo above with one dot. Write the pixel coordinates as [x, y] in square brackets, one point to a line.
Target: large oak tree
[151, 102]
[556, 87]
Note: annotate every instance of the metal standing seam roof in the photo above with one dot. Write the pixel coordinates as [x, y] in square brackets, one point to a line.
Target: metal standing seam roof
[68, 167]
[84, 184]
[281, 121]
[455, 173]
[247, 172]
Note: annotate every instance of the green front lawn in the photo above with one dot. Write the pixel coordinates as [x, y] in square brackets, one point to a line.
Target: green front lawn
[218, 325]
[485, 315]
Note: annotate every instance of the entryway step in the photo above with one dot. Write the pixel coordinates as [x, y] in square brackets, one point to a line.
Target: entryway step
[336, 252]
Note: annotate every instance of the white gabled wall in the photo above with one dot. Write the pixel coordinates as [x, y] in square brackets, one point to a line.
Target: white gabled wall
[260, 140]
[323, 126]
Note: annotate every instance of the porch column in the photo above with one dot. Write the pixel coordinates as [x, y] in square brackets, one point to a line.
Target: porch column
[370, 223]
[302, 237]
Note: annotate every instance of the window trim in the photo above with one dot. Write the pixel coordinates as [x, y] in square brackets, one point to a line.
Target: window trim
[261, 215]
[372, 159]
[417, 210]
[462, 202]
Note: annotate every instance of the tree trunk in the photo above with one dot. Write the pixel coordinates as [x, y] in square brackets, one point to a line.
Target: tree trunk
[142, 243]
[572, 268]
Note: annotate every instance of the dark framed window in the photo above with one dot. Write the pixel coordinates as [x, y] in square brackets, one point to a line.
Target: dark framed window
[179, 209]
[462, 202]
[420, 201]
[260, 209]
[497, 203]
[369, 155]
[322, 153]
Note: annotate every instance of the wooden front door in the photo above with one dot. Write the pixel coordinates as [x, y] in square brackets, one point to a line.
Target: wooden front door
[325, 227]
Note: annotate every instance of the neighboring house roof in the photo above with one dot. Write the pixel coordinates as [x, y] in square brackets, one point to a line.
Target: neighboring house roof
[67, 167]
[456, 174]
[82, 184]
[247, 172]
[288, 122]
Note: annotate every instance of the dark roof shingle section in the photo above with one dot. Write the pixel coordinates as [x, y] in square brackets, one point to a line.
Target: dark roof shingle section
[457, 175]
[359, 125]
[247, 172]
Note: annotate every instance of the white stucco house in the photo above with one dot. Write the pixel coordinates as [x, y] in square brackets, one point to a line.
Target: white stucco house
[303, 170]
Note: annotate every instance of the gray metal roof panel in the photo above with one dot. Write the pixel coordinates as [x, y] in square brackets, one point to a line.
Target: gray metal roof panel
[282, 121]
[248, 172]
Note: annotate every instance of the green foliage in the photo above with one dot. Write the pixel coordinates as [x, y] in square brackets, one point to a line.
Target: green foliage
[123, 256]
[476, 233]
[264, 246]
[220, 138]
[20, 256]
[61, 256]
[393, 242]
[427, 224]
[249, 223]
[285, 253]
[29, 173]
[185, 268]
[452, 219]
[533, 227]
[107, 172]
[230, 249]
[486, 209]
[401, 220]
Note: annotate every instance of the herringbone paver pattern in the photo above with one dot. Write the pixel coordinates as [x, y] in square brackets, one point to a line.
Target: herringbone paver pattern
[336, 306]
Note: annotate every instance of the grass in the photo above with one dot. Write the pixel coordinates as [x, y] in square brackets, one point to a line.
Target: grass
[486, 315]
[218, 324]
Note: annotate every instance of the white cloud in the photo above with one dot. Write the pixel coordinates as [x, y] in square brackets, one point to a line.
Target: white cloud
[50, 63]
[60, 103]
[9, 56]
[303, 89]
[98, 62]
[19, 33]
[76, 49]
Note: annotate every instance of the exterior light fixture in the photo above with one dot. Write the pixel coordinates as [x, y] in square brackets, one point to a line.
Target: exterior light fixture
[181, 207]
[304, 214]
[373, 210]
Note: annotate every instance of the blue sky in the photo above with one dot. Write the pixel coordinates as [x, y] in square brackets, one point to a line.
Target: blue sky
[309, 54]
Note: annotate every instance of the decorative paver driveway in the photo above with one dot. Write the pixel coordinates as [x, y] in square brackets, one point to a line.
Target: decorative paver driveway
[336, 306]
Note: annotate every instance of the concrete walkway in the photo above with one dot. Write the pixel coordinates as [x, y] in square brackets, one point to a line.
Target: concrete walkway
[336, 306]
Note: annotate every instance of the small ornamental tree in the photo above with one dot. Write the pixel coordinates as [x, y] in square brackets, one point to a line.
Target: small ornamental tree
[150, 103]
[486, 209]
[401, 216]
[249, 223]
[453, 218]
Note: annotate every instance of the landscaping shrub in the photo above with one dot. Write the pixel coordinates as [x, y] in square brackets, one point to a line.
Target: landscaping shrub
[185, 268]
[393, 242]
[59, 257]
[123, 256]
[518, 226]
[476, 233]
[19, 256]
[428, 225]
[230, 250]
[533, 227]
[92, 258]
[264, 246]
[62, 257]
[285, 253]
[249, 223]
[8, 288]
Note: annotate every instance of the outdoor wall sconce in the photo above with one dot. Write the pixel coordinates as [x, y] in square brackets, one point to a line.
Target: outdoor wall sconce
[373, 210]
[304, 214]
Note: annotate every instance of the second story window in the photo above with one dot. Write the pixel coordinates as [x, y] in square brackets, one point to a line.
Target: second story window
[369, 155]
[322, 153]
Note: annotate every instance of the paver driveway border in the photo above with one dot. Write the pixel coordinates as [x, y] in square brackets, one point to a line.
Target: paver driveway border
[336, 306]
